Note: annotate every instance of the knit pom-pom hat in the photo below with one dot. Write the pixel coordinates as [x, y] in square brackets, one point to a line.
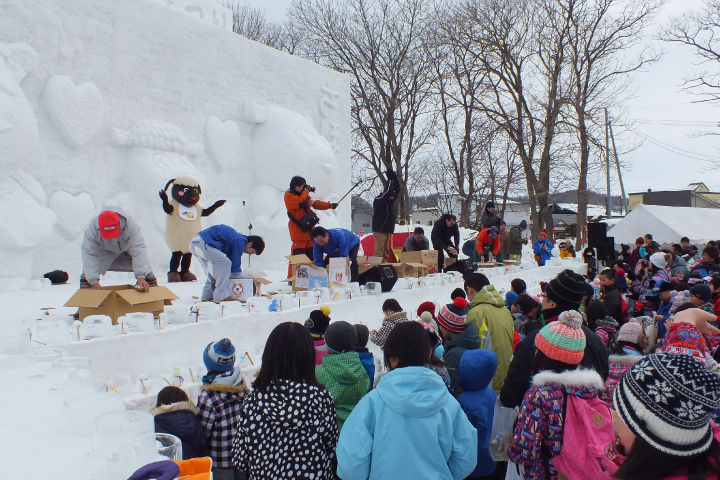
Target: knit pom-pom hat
[426, 307]
[319, 320]
[452, 316]
[683, 338]
[219, 356]
[563, 340]
[425, 317]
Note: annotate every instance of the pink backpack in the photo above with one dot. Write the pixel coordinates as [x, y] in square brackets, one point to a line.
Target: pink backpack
[587, 431]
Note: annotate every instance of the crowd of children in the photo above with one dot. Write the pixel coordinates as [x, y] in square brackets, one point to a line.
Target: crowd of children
[591, 375]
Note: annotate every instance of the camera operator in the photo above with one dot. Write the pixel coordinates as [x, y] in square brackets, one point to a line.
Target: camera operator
[302, 219]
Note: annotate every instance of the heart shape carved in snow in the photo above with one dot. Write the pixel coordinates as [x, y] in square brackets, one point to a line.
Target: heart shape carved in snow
[73, 212]
[223, 140]
[76, 111]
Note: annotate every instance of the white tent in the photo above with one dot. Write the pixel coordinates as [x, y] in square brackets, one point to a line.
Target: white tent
[668, 224]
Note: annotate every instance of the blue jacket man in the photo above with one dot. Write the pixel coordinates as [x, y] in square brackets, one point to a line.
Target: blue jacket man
[542, 248]
[220, 249]
[336, 242]
[477, 368]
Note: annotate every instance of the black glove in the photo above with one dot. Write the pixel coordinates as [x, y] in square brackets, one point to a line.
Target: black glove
[631, 275]
[333, 206]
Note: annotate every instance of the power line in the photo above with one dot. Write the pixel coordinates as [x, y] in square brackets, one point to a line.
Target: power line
[674, 104]
[676, 123]
[675, 150]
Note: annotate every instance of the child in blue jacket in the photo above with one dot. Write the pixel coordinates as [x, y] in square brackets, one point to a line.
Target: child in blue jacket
[367, 359]
[477, 368]
[409, 426]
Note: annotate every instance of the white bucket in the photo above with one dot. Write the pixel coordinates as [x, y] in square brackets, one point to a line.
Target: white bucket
[208, 311]
[258, 304]
[97, 326]
[138, 322]
[177, 314]
[374, 288]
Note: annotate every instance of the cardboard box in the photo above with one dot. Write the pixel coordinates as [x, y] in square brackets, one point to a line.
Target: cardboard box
[338, 272]
[449, 261]
[511, 262]
[115, 301]
[244, 288]
[429, 258]
[487, 264]
[410, 270]
[366, 262]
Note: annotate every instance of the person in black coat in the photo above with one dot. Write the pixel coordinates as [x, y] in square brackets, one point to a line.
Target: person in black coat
[564, 292]
[176, 414]
[444, 232]
[383, 219]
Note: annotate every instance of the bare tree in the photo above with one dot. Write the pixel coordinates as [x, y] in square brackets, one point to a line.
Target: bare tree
[252, 23]
[522, 55]
[381, 44]
[700, 30]
[600, 32]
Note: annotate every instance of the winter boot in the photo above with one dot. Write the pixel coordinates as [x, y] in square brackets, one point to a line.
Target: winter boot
[151, 280]
[187, 277]
[174, 277]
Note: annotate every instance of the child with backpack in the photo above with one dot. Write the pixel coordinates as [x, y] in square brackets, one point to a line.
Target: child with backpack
[341, 372]
[557, 412]
[477, 368]
[318, 323]
[219, 406]
[175, 414]
[367, 359]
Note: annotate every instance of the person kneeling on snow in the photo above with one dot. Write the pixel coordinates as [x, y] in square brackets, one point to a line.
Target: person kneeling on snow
[113, 242]
[335, 243]
[220, 249]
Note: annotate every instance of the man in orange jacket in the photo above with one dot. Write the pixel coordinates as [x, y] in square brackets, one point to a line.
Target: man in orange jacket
[298, 204]
[488, 243]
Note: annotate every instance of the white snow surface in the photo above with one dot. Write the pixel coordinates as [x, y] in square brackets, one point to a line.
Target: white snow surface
[102, 103]
[49, 414]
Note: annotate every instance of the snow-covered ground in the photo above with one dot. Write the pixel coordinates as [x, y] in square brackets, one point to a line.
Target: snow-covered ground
[47, 418]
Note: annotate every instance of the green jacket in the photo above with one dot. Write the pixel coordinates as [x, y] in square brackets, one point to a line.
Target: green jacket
[489, 314]
[346, 380]
[515, 242]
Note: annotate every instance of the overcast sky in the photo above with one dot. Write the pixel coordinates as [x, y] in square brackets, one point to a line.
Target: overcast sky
[658, 99]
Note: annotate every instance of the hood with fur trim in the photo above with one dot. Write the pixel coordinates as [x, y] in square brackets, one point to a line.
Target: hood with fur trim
[624, 359]
[218, 387]
[574, 379]
[174, 407]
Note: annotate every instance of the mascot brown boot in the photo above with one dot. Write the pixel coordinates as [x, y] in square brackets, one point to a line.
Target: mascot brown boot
[173, 275]
[185, 274]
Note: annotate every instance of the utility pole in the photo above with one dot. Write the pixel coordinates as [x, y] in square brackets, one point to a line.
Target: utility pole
[622, 186]
[608, 207]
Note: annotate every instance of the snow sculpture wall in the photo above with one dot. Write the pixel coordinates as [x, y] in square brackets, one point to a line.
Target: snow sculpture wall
[101, 103]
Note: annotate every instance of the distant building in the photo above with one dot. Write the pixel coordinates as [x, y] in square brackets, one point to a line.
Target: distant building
[696, 196]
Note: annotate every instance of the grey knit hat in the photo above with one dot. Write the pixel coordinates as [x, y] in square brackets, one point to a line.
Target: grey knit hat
[341, 337]
[666, 399]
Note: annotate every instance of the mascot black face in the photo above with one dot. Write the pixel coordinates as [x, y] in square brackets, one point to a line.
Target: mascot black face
[184, 195]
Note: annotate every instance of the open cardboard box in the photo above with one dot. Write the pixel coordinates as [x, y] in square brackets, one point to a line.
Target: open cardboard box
[118, 300]
[411, 269]
[303, 270]
[244, 288]
[429, 258]
[366, 262]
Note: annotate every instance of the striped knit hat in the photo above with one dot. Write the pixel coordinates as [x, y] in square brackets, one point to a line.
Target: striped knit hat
[563, 340]
[452, 316]
[667, 400]
[684, 338]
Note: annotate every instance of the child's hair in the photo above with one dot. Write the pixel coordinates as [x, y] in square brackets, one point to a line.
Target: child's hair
[685, 306]
[595, 311]
[681, 287]
[476, 281]
[712, 252]
[363, 334]
[434, 341]
[392, 305]
[715, 282]
[608, 273]
[170, 395]
[458, 292]
[518, 285]
[542, 362]
[408, 342]
[620, 344]
[525, 303]
[289, 355]
[257, 243]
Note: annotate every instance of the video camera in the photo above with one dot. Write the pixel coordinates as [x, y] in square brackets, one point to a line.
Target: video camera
[310, 189]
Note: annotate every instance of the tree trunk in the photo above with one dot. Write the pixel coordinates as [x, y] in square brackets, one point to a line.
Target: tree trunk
[582, 194]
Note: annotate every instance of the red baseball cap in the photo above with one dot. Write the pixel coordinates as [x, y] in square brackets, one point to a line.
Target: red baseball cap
[109, 224]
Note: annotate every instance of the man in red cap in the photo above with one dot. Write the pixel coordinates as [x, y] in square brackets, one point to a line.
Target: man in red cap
[113, 242]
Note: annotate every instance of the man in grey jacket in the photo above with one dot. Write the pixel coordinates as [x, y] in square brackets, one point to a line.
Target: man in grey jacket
[417, 241]
[113, 242]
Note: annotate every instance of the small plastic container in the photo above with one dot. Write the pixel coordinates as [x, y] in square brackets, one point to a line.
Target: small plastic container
[208, 311]
[374, 288]
[231, 308]
[52, 332]
[258, 304]
[136, 322]
[97, 326]
[176, 314]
